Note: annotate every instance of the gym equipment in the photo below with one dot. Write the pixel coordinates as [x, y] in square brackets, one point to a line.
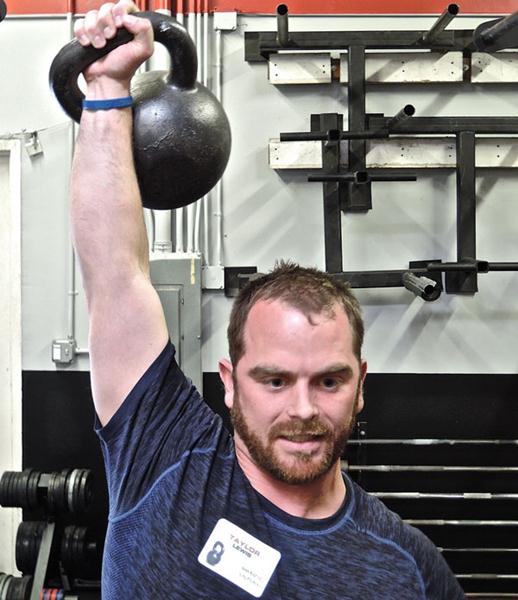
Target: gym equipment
[28, 541]
[70, 490]
[51, 553]
[79, 551]
[350, 191]
[76, 549]
[497, 35]
[5, 582]
[15, 588]
[181, 134]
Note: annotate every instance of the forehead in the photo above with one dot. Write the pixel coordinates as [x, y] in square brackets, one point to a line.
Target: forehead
[274, 325]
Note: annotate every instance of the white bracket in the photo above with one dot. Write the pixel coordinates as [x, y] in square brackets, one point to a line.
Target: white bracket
[225, 21]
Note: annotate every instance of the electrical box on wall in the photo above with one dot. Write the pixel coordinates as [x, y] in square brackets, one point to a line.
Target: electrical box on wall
[177, 279]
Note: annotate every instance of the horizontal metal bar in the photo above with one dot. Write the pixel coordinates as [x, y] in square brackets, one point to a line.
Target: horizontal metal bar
[429, 468]
[363, 177]
[465, 522]
[486, 576]
[375, 279]
[447, 125]
[309, 136]
[478, 549]
[503, 266]
[259, 45]
[431, 442]
[491, 595]
[431, 496]
[471, 267]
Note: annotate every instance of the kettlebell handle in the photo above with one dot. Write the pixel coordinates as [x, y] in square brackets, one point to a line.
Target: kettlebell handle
[73, 59]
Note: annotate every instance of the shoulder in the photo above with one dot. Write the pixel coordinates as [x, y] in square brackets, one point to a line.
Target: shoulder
[383, 526]
[373, 518]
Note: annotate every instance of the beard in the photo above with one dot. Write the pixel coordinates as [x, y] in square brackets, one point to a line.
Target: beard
[301, 467]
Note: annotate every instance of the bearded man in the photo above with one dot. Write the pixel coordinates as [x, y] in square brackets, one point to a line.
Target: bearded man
[195, 512]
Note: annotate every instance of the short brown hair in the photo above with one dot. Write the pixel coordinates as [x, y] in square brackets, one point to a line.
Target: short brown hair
[309, 290]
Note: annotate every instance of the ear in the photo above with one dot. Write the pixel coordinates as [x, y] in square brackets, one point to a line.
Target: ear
[226, 370]
[363, 373]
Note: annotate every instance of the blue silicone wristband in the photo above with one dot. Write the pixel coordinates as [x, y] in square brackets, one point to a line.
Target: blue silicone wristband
[107, 104]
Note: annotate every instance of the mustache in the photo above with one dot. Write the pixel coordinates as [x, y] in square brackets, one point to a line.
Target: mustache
[299, 427]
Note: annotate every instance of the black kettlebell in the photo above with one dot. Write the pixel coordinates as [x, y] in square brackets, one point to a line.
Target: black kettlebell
[181, 134]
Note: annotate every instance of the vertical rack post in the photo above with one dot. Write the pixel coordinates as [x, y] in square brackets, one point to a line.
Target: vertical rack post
[357, 196]
[464, 281]
[333, 124]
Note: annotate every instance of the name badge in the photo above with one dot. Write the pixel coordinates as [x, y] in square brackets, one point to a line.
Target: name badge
[239, 557]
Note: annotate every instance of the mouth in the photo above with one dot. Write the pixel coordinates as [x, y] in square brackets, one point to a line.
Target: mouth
[303, 437]
[302, 443]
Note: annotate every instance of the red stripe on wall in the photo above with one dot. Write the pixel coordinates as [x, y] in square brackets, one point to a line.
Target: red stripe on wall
[32, 7]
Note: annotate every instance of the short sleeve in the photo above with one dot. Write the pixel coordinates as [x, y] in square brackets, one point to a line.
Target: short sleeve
[161, 420]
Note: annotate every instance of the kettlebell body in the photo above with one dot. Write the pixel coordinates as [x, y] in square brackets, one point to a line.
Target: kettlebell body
[181, 134]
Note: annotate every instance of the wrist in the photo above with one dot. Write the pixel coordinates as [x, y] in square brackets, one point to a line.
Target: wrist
[105, 87]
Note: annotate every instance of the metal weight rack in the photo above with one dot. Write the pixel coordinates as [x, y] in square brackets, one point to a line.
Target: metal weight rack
[350, 190]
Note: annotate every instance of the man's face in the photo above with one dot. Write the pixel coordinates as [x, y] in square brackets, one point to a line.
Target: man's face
[295, 392]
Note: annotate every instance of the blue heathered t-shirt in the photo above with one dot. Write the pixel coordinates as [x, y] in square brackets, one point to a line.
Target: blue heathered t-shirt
[172, 474]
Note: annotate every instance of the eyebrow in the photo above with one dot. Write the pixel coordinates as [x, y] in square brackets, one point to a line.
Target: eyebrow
[260, 371]
[267, 371]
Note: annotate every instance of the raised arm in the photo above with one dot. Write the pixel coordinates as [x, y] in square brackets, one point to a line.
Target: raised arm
[127, 325]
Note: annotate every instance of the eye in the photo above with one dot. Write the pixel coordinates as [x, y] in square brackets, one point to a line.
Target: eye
[275, 382]
[330, 383]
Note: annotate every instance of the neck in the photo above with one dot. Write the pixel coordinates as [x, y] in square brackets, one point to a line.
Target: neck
[315, 500]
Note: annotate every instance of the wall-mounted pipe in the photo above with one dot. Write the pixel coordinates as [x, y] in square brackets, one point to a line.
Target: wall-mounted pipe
[403, 115]
[497, 34]
[218, 72]
[72, 269]
[423, 287]
[162, 219]
[207, 200]
[440, 25]
[283, 34]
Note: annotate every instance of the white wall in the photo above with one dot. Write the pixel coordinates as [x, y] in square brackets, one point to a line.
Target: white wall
[10, 336]
[268, 215]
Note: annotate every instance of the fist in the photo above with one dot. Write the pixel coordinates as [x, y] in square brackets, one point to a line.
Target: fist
[101, 25]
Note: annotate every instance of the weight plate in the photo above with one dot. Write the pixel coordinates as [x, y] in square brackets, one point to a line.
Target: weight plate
[82, 491]
[79, 535]
[28, 541]
[20, 498]
[66, 547]
[6, 484]
[53, 493]
[86, 491]
[5, 582]
[23, 488]
[32, 488]
[71, 485]
[25, 588]
[61, 491]
[20, 588]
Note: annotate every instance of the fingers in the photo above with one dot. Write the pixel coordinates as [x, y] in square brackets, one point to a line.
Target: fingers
[101, 25]
[123, 7]
[140, 28]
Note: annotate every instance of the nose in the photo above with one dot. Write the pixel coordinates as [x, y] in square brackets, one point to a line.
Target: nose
[302, 403]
